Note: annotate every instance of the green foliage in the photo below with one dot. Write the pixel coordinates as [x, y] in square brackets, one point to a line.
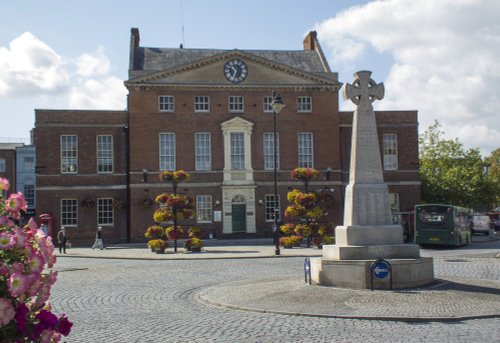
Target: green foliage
[451, 174]
[494, 174]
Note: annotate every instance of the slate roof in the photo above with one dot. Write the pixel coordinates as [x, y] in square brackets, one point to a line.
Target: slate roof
[150, 60]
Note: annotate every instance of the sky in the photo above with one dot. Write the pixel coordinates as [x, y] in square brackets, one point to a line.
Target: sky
[438, 57]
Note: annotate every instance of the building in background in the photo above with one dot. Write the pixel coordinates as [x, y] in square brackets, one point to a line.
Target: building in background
[209, 113]
[25, 176]
[8, 163]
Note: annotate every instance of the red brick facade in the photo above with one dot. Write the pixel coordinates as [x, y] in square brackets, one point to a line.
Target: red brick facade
[182, 75]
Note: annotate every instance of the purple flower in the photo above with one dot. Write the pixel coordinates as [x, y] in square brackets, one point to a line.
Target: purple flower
[65, 325]
[20, 317]
[47, 319]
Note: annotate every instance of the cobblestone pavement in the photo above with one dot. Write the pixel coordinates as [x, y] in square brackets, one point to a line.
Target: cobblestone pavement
[156, 301]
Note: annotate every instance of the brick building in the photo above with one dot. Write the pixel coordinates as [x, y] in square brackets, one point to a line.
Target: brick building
[208, 112]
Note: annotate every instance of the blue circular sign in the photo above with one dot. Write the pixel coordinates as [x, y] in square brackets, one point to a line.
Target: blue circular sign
[381, 269]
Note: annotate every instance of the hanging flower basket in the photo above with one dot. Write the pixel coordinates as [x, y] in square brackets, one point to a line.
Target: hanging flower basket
[88, 203]
[174, 234]
[146, 202]
[174, 176]
[305, 173]
[118, 204]
[163, 215]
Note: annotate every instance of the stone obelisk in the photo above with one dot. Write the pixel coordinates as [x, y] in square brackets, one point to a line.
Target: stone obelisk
[368, 233]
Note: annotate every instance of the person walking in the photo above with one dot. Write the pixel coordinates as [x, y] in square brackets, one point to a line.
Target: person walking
[98, 239]
[62, 239]
[43, 227]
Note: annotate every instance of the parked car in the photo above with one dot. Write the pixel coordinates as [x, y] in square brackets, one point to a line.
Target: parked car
[481, 223]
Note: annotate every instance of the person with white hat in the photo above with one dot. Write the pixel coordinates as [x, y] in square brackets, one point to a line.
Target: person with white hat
[98, 239]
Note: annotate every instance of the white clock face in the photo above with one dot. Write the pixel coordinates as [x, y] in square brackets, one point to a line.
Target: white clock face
[235, 70]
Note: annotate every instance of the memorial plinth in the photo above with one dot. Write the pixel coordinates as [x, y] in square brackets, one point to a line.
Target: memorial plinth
[368, 233]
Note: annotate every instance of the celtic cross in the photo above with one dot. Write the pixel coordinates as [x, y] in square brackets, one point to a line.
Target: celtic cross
[364, 90]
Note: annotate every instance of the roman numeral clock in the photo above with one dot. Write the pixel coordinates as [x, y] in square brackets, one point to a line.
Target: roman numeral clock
[235, 70]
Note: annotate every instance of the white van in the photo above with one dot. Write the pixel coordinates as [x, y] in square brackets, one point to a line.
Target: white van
[481, 223]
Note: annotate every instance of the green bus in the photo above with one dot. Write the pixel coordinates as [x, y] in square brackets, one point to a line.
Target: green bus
[442, 225]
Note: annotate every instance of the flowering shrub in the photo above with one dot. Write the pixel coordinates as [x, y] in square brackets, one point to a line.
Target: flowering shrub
[291, 241]
[305, 173]
[163, 215]
[25, 314]
[174, 176]
[287, 229]
[294, 210]
[302, 230]
[326, 230]
[315, 212]
[193, 243]
[174, 234]
[195, 232]
[157, 244]
[155, 231]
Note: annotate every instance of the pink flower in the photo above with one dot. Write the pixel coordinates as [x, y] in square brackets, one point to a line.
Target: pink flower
[5, 220]
[16, 203]
[18, 284]
[7, 312]
[4, 184]
[20, 237]
[35, 263]
[7, 241]
[50, 336]
[31, 223]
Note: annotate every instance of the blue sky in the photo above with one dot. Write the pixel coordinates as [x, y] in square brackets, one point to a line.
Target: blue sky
[438, 57]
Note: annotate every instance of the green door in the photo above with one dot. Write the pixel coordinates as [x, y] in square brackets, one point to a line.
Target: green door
[239, 217]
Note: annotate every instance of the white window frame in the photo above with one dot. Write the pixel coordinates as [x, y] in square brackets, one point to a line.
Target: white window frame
[202, 103]
[69, 154]
[166, 103]
[3, 165]
[237, 151]
[305, 153]
[104, 153]
[29, 192]
[204, 209]
[267, 100]
[269, 150]
[69, 212]
[105, 211]
[28, 165]
[390, 151]
[269, 207]
[304, 104]
[236, 104]
[167, 151]
[203, 151]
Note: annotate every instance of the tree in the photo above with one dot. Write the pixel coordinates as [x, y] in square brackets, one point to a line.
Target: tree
[494, 174]
[451, 174]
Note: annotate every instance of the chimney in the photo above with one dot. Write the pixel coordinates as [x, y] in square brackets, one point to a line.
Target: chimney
[310, 41]
[134, 44]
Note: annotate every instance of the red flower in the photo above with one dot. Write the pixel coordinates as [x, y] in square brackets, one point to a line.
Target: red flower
[64, 326]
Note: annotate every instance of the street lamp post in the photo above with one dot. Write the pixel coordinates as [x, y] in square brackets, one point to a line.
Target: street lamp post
[277, 105]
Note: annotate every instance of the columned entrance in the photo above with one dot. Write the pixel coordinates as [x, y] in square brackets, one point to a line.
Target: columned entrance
[238, 209]
[239, 217]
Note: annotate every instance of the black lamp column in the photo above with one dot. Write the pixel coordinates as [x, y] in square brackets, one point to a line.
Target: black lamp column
[277, 105]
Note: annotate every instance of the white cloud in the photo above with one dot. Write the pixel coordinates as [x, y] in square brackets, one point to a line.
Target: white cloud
[106, 94]
[445, 57]
[29, 66]
[35, 73]
[96, 63]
